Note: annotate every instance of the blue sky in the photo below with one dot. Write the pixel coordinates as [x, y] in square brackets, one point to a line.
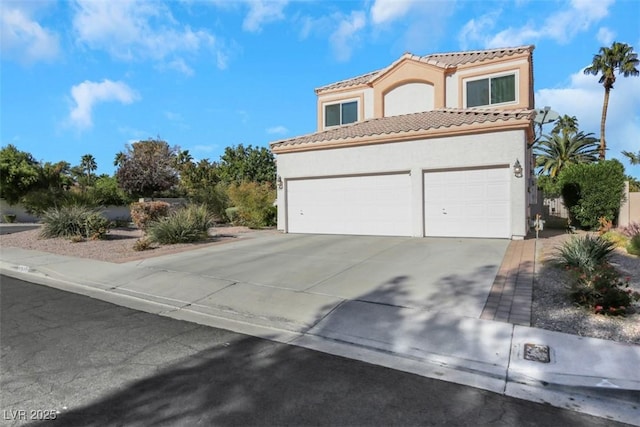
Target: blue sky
[82, 76]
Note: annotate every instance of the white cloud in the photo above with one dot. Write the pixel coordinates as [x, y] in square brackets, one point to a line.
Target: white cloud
[263, 12]
[384, 11]
[562, 26]
[605, 36]
[412, 25]
[24, 39]
[583, 98]
[476, 28]
[279, 130]
[179, 64]
[87, 94]
[346, 36]
[139, 30]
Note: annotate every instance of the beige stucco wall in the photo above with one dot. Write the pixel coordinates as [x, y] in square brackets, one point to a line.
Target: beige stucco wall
[630, 208]
[487, 149]
[409, 98]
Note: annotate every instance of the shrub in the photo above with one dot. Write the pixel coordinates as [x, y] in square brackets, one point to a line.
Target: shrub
[604, 225]
[232, 214]
[188, 224]
[143, 213]
[214, 197]
[70, 221]
[631, 229]
[592, 191]
[633, 247]
[142, 244]
[585, 253]
[618, 239]
[602, 290]
[254, 203]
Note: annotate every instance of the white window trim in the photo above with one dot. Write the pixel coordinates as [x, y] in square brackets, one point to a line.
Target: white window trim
[515, 73]
[342, 101]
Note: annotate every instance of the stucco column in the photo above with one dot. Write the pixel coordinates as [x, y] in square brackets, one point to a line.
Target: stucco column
[417, 203]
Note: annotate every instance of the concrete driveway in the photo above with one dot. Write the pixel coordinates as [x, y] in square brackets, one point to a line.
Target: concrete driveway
[452, 275]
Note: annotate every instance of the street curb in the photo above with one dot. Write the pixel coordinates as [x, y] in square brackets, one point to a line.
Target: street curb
[590, 400]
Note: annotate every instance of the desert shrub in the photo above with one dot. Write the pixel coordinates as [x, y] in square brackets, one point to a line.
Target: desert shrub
[631, 229]
[633, 247]
[142, 244]
[232, 214]
[602, 290]
[69, 221]
[214, 197]
[143, 213]
[585, 253]
[618, 239]
[604, 225]
[592, 191]
[188, 224]
[254, 203]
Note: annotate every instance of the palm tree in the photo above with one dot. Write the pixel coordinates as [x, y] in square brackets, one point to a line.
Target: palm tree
[120, 159]
[565, 124]
[561, 149]
[633, 158]
[619, 57]
[88, 165]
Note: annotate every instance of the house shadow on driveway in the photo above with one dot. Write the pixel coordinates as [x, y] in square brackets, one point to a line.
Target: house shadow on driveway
[243, 380]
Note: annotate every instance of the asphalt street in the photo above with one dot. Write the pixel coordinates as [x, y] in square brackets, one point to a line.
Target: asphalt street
[86, 362]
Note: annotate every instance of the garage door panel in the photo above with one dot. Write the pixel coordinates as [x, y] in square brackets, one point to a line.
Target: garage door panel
[369, 205]
[467, 203]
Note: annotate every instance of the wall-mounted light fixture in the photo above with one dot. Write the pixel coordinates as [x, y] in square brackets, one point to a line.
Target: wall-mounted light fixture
[517, 169]
[279, 182]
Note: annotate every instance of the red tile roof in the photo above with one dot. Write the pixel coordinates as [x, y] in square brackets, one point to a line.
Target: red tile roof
[442, 60]
[408, 123]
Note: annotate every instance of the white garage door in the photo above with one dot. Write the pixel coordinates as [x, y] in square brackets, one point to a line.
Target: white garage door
[378, 205]
[467, 203]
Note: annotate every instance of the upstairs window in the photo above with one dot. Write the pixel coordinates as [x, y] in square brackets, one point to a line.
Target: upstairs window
[341, 113]
[492, 90]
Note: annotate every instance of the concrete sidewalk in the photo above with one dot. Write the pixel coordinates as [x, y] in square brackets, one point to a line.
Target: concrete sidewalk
[494, 350]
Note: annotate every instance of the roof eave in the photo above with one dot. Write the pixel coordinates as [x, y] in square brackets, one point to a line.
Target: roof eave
[280, 147]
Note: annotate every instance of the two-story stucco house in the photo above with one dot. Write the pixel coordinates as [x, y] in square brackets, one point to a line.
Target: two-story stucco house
[435, 145]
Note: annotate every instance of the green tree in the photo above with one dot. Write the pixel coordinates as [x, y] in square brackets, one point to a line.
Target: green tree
[592, 191]
[619, 58]
[561, 149]
[18, 173]
[88, 165]
[239, 164]
[633, 158]
[634, 184]
[121, 156]
[148, 167]
[565, 125]
[201, 183]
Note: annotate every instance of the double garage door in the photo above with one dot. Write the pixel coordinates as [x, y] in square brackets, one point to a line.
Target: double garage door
[458, 203]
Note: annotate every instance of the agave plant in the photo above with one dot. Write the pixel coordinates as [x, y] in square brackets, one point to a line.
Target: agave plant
[586, 253]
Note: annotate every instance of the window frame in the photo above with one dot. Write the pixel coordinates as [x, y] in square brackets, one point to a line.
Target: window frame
[488, 77]
[340, 103]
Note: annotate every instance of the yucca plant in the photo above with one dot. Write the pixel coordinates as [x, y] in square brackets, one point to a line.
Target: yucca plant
[585, 253]
[74, 220]
[188, 224]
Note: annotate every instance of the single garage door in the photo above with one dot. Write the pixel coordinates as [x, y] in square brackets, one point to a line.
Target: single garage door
[378, 205]
[468, 203]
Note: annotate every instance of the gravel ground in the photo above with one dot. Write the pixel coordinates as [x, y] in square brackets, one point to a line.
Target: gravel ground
[118, 246]
[553, 310]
